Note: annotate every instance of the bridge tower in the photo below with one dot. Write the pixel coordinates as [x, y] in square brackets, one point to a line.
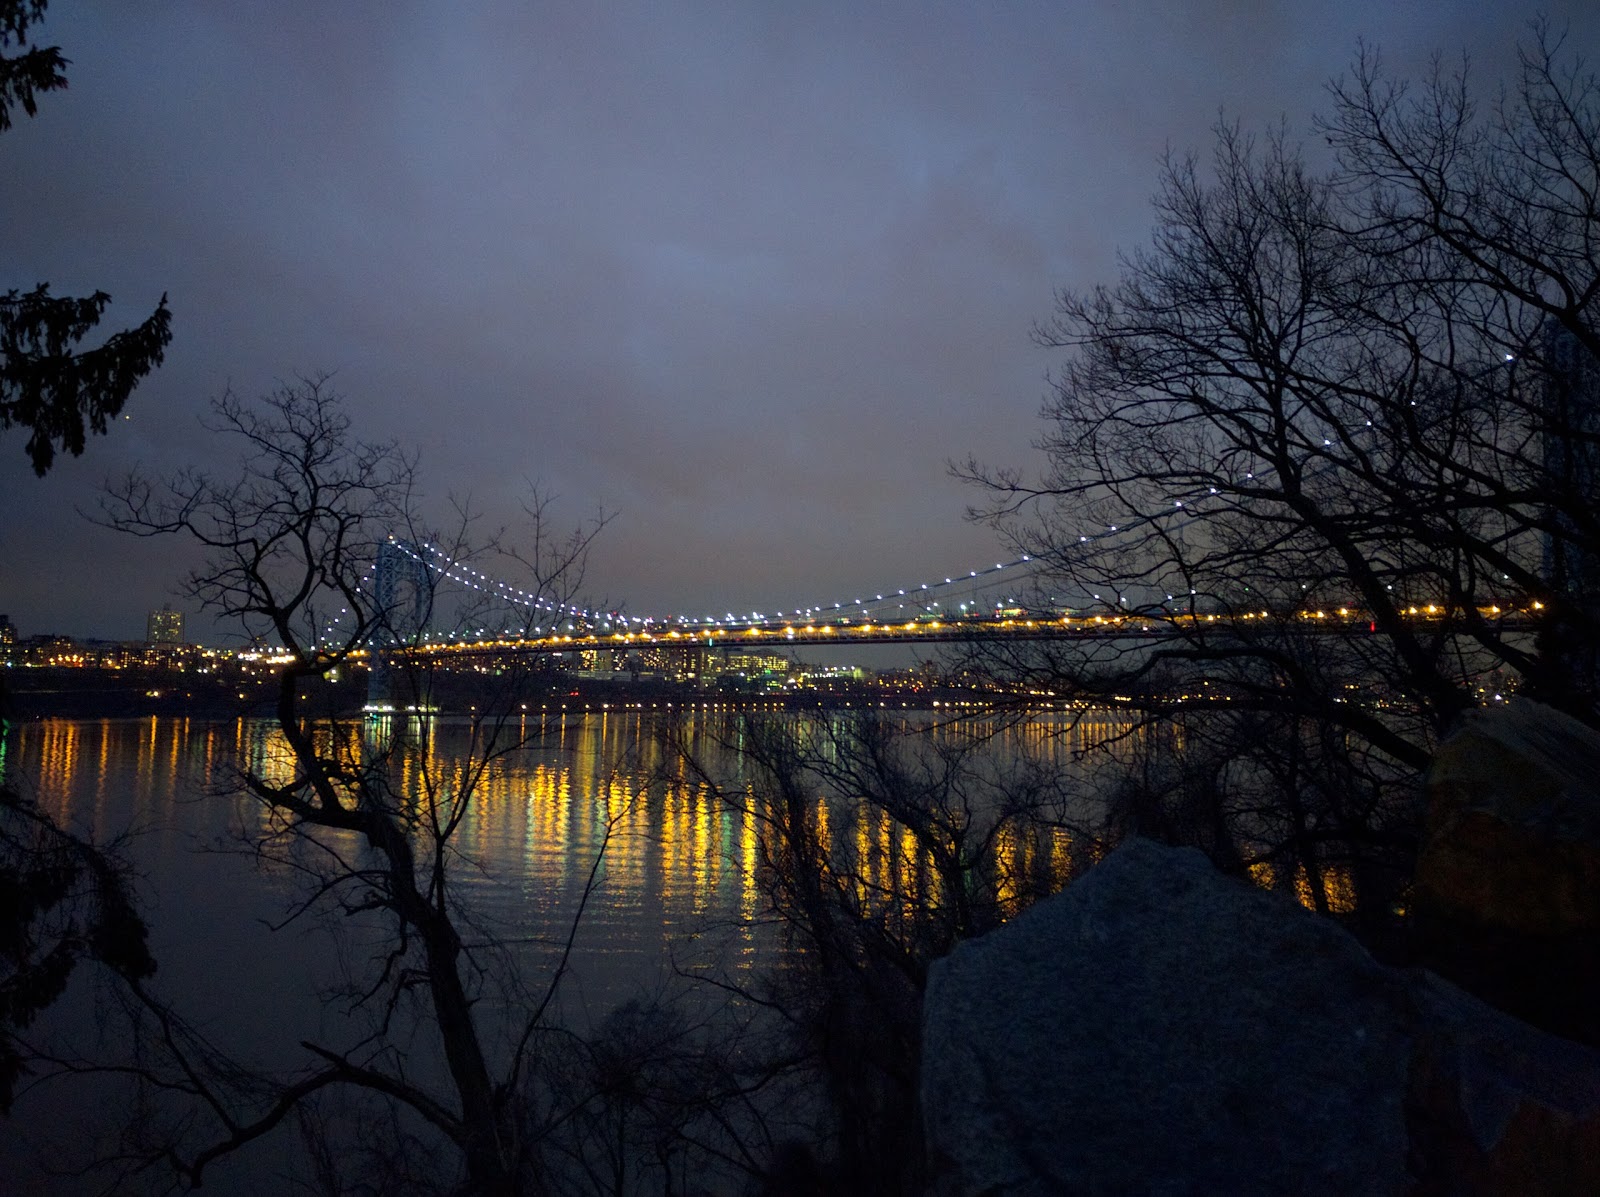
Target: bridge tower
[402, 593]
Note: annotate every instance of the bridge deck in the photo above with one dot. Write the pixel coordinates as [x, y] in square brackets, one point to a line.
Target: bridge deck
[1344, 621]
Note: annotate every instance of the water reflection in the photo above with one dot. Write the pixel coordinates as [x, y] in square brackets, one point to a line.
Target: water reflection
[673, 857]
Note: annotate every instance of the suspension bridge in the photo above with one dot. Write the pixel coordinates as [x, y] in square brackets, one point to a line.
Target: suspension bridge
[994, 604]
[1004, 601]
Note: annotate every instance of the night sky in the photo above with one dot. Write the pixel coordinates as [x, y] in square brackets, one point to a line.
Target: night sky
[748, 274]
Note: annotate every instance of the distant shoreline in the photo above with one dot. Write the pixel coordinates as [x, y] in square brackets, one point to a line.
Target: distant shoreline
[48, 693]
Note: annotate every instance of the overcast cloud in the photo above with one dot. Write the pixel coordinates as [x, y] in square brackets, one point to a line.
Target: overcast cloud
[748, 274]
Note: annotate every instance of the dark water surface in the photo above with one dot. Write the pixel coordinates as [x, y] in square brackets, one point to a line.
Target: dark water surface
[675, 889]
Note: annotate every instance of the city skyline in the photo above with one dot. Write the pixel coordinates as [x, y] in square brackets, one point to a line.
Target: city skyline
[746, 277]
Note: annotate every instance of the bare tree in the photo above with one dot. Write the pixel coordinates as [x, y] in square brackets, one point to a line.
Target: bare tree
[1373, 393]
[880, 845]
[293, 542]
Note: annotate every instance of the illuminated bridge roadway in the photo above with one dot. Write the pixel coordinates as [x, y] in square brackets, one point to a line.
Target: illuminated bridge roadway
[971, 629]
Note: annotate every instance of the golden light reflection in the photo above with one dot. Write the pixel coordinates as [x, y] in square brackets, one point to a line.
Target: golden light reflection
[1007, 871]
[534, 819]
[748, 849]
[1338, 886]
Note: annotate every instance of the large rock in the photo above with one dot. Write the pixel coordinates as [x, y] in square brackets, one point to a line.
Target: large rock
[1514, 822]
[1507, 893]
[1159, 1028]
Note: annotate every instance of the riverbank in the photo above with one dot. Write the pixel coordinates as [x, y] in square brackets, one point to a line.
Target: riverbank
[69, 693]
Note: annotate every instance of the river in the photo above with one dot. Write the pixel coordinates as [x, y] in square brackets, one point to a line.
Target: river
[673, 892]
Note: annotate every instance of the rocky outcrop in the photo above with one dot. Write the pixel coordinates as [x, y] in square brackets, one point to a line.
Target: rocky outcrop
[1159, 1028]
[1507, 895]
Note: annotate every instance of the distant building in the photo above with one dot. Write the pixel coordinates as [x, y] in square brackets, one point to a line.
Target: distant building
[1571, 565]
[755, 664]
[8, 632]
[1571, 457]
[164, 626]
[826, 675]
[679, 662]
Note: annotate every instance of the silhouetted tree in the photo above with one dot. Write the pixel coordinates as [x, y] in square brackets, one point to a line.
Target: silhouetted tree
[62, 898]
[1371, 391]
[36, 69]
[49, 383]
[369, 819]
[880, 845]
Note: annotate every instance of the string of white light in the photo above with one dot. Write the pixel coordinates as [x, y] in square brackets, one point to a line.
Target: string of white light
[921, 596]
